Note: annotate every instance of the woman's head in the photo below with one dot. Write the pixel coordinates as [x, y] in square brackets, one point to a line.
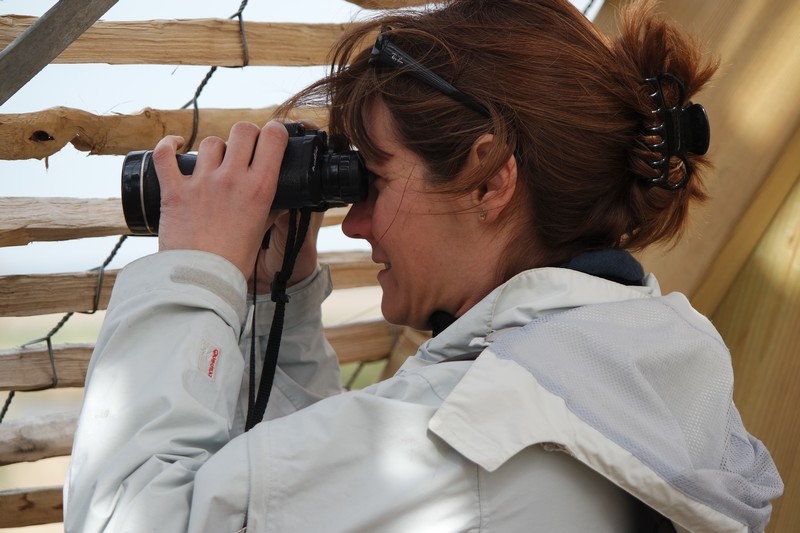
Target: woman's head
[568, 105]
[437, 250]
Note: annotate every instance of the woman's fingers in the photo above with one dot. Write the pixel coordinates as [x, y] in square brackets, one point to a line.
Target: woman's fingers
[210, 153]
[268, 154]
[224, 206]
[241, 144]
[164, 158]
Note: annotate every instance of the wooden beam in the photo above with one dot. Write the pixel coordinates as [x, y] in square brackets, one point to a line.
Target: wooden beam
[43, 133]
[30, 507]
[24, 219]
[41, 437]
[749, 229]
[29, 368]
[351, 269]
[44, 40]
[26, 369]
[362, 341]
[192, 42]
[38, 294]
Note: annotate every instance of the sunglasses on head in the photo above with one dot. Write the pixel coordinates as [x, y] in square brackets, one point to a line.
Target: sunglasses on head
[386, 53]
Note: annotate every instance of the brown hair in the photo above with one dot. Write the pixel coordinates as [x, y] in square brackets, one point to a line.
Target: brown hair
[571, 102]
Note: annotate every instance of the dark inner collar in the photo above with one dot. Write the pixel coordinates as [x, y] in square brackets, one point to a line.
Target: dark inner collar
[613, 264]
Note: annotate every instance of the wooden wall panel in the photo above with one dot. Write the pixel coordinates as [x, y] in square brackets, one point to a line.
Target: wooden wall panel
[753, 107]
[759, 318]
[749, 228]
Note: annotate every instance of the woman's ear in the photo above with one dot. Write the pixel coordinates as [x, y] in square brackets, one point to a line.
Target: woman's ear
[492, 197]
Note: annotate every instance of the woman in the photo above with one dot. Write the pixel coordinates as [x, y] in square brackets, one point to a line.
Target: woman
[517, 155]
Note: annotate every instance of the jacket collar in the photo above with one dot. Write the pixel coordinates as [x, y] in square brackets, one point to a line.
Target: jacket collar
[612, 264]
[526, 296]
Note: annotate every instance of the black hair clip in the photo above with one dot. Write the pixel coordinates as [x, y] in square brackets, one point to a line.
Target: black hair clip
[682, 130]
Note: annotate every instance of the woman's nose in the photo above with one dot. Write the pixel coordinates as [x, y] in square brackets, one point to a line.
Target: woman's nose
[357, 224]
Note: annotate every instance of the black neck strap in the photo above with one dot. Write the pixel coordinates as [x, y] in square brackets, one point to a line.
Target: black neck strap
[294, 242]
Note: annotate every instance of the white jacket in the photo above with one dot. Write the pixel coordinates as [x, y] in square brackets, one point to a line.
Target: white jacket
[635, 388]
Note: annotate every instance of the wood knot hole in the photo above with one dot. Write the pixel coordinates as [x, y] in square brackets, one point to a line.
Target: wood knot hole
[40, 136]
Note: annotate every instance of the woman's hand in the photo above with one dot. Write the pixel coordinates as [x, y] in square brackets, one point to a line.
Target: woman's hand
[224, 206]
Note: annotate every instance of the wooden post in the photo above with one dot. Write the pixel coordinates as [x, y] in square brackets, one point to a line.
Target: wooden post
[37, 46]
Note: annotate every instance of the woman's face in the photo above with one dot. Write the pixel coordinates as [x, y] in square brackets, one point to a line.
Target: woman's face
[421, 237]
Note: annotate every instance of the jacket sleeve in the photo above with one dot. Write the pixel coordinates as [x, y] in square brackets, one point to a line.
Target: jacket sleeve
[163, 387]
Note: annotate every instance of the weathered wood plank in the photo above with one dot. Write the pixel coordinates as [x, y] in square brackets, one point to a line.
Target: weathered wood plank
[25, 219]
[749, 229]
[192, 42]
[41, 42]
[32, 439]
[29, 368]
[41, 294]
[42, 133]
[362, 341]
[351, 269]
[30, 507]
[38, 294]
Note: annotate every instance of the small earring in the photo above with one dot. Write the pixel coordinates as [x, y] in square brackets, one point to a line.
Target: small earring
[482, 216]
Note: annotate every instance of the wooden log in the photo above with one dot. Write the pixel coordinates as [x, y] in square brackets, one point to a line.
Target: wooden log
[29, 368]
[24, 369]
[42, 133]
[30, 507]
[41, 437]
[362, 341]
[24, 219]
[38, 294]
[351, 269]
[192, 42]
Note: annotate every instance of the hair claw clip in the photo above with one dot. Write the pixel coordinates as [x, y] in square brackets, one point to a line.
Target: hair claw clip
[682, 130]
